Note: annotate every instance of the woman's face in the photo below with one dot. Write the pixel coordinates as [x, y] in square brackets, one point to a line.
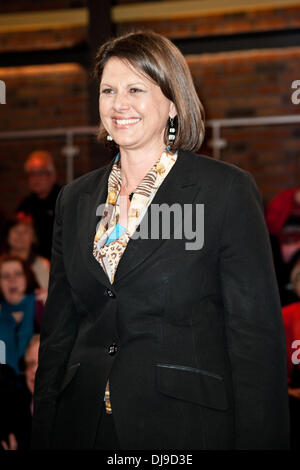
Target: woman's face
[12, 281]
[20, 237]
[132, 108]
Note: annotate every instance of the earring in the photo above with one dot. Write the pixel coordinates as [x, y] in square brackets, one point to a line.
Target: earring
[172, 130]
[109, 138]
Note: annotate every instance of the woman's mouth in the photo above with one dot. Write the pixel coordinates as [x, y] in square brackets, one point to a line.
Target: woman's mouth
[125, 122]
[13, 290]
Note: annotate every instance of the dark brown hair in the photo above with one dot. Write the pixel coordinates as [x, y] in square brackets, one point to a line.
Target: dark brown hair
[160, 60]
[31, 282]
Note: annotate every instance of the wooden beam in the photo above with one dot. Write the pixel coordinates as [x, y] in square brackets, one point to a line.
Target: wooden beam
[36, 21]
[190, 8]
[100, 30]
[79, 17]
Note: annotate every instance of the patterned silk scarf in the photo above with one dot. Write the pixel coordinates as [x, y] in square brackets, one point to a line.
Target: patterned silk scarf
[109, 255]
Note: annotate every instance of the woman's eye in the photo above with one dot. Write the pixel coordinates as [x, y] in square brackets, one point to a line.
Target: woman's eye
[106, 91]
[135, 90]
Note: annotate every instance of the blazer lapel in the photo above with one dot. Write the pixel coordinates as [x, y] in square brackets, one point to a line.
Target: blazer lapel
[180, 186]
[88, 216]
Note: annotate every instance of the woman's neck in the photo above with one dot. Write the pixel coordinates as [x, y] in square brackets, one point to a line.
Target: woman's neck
[16, 300]
[22, 253]
[135, 164]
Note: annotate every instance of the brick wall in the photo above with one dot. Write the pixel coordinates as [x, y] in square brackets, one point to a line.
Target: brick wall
[44, 96]
[40, 97]
[246, 83]
[254, 84]
[40, 40]
[221, 23]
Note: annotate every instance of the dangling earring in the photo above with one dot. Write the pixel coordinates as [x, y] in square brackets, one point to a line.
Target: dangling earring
[172, 130]
[109, 138]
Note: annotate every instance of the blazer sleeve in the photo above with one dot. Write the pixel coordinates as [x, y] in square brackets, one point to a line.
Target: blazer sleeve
[253, 319]
[58, 333]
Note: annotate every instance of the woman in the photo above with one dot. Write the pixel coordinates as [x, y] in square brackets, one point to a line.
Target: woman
[21, 241]
[184, 338]
[20, 311]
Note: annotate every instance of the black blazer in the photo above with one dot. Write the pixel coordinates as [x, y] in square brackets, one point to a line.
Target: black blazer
[192, 341]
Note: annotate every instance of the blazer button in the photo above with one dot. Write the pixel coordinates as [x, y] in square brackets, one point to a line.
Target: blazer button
[112, 349]
[110, 293]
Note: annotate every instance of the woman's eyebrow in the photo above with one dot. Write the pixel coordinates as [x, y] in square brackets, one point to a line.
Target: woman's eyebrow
[129, 84]
[136, 83]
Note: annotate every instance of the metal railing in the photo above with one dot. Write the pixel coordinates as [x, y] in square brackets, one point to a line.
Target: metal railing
[217, 143]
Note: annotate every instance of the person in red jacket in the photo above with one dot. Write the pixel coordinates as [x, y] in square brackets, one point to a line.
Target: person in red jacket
[283, 221]
[291, 320]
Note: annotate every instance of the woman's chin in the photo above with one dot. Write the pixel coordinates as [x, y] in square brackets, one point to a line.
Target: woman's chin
[127, 140]
[126, 143]
[15, 299]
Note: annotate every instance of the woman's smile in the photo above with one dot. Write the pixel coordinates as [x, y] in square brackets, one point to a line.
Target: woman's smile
[125, 123]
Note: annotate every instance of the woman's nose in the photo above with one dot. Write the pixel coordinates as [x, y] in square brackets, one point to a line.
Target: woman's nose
[121, 101]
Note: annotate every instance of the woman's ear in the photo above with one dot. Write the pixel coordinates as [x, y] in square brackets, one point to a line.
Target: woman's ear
[173, 111]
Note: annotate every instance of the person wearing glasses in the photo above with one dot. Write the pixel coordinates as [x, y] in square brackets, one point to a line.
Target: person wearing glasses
[40, 204]
[20, 310]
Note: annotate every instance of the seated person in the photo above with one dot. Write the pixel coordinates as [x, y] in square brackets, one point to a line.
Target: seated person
[8, 399]
[291, 320]
[40, 203]
[16, 429]
[283, 221]
[21, 312]
[21, 240]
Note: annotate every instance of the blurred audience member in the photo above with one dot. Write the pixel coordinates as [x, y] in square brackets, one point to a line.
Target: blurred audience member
[279, 269]
[8, 400]
[41, 174]
[291, 320]
[20, 312]
[295, 279]
[21, 241]
[31, 364]
[16, 430]
[283, 221]
[290, 293]
[25, 396]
